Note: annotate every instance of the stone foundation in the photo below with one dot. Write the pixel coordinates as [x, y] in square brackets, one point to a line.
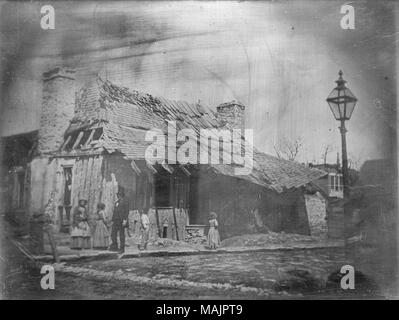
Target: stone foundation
[316, 209]
[195, 234]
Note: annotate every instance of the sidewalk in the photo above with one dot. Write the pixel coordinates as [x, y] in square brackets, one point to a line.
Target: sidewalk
[171, 248]
[68, 255]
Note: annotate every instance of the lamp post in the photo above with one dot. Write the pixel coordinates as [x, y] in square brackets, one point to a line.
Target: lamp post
[342, 103]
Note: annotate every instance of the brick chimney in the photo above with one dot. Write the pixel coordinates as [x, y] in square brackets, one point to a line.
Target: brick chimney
[58, 106]
[231, 115]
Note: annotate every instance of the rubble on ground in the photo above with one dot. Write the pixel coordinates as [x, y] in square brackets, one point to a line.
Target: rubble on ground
[160, 243]
[195, 236]
[264, 239]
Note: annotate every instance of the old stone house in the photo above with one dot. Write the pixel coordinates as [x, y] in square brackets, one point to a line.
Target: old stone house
[91, 142]
[330, 188]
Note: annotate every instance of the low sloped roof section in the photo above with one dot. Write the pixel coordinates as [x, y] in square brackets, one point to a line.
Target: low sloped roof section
[126, 116]
[266, 170]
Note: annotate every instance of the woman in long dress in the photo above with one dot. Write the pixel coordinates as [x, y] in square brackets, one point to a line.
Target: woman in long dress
[213, 233]
[101, 233]
[80, 227]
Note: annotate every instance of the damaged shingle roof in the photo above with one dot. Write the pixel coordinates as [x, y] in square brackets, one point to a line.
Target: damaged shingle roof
[127, 115]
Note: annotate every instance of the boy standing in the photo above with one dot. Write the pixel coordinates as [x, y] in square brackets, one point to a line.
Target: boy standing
[145, 230]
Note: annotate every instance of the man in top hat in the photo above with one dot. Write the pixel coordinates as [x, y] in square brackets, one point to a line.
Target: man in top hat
[119, 222]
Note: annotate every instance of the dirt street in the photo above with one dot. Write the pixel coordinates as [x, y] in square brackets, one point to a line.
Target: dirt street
[219, 276]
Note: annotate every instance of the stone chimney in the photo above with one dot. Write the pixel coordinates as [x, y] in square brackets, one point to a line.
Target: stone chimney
[231, 115]
[58, 106]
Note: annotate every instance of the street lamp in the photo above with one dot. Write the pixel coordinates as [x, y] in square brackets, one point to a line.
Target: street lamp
[342, 103]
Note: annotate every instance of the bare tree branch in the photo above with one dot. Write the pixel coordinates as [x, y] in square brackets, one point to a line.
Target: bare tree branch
[288, 149]
[277, 152]
[327, 149]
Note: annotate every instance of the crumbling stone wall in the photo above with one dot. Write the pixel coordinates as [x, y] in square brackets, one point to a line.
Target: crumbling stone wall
[316, 208]
[335, 219]
[57, 108]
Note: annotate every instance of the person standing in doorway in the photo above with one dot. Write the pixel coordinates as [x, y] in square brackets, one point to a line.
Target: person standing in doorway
[119, 222]
[145, 230]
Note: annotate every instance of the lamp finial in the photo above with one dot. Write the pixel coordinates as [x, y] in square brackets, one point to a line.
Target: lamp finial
[340, 82]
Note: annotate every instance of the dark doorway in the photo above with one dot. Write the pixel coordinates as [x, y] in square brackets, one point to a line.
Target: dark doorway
[194, 208]
[162, 190]
[65, 209]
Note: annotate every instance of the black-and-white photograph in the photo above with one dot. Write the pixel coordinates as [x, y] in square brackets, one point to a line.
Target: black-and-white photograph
[198, 150]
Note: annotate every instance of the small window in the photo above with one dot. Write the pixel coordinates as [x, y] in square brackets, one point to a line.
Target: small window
[97, 134]
[331, 182]
[87, 134]
[71, 141]
[84, 139]
[335, 183]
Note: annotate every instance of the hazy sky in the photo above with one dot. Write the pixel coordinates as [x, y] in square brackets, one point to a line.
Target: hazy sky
[279, 58]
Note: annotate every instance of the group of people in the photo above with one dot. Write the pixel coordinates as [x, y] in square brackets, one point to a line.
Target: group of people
[82, 232]
[100, 233]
